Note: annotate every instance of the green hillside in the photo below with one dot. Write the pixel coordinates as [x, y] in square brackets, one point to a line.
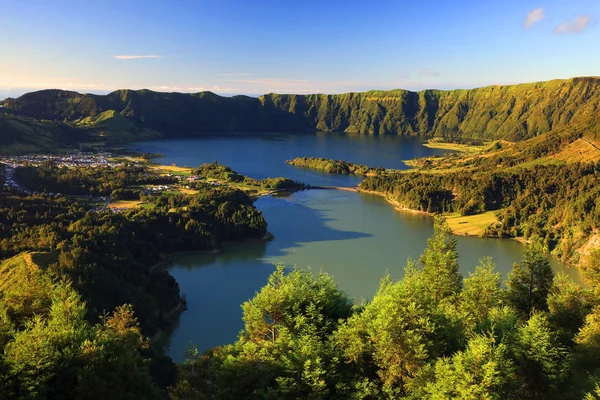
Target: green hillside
[21, 134]
[543, 189]
[513, 113]
[509, 112]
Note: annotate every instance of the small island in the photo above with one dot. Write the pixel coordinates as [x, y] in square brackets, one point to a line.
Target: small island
[335, 166]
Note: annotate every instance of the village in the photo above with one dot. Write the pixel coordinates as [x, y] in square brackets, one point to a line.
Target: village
[68, 160]
[9, 164]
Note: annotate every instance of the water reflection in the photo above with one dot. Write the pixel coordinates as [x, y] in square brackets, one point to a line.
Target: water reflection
[356, 238]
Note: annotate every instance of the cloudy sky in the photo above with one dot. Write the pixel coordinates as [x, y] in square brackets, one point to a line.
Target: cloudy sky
[285, 46]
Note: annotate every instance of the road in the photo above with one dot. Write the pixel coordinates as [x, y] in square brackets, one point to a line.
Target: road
[10, 180]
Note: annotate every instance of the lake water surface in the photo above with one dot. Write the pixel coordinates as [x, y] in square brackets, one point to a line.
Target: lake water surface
[357, 238]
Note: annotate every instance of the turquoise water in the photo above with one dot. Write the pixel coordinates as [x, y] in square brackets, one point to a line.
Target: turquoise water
[357, 238]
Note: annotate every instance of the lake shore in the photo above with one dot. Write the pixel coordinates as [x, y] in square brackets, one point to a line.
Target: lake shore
[399, 207]
[172, 256]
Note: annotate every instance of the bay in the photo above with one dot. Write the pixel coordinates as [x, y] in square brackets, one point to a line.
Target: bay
[357, 238]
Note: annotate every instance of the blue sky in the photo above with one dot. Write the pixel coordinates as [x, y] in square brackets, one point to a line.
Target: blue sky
[293, 46]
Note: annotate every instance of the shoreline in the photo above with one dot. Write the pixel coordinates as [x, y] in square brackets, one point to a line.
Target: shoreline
[182, 305]
[399, 207]
[171, 256]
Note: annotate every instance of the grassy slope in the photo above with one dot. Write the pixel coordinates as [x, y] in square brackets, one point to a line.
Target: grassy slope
[19, 134]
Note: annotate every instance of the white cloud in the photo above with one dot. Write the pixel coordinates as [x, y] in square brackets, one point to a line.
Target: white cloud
[429, 72]
[578, 25]
[534, 16]
[180, 89]
[129, 57]
[235, 74]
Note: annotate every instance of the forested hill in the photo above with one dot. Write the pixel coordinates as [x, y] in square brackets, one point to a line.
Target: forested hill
[495, 112]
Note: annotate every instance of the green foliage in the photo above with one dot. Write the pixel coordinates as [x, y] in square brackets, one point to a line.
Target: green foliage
[302, 340]
[480, 294]
[58, 354]
[283, 352]
[541, 360]
[440, 264]
[594, 394]
[111, 259]
[224, 173]
[395, 335]
[334, 166]
[529, 282]
[587, 339]
[535, 192]
[484, 370]
[568, 304]
[292, 303]
[495, 112]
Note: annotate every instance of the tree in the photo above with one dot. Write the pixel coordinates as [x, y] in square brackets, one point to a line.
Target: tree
[483, 370]
[395, 333]
[568, 305]
[284, 351]
[43, 358]
[439, 263]
[295, 302]
[481, 292]
[59, 354]
[587, 340]
[590, 267]
[541, 360]
[529, 282]
[113, 366]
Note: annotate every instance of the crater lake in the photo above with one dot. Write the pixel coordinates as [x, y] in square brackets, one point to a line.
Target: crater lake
[357, 238]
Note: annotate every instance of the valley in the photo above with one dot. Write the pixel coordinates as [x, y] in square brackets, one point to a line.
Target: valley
[198, 222]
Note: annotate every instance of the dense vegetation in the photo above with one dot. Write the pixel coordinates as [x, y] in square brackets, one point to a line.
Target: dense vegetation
[496, 112]
[543, 189]
[334, 166]
[554, 203]
[66, 312]
[82, 300]
[100, 181]
[431, 335]
[224, 173]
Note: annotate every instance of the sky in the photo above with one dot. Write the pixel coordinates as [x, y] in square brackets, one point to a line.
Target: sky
[292, 46]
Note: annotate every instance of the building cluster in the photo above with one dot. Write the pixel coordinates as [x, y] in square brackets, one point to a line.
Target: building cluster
[9, 179]
[69, 160]
[156, 189]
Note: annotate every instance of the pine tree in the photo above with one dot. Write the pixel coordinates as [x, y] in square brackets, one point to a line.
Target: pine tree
[439, 263]
[483, 370]
[529, 283]
[480, 294]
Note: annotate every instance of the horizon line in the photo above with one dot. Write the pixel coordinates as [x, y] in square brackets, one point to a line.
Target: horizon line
[106, 92]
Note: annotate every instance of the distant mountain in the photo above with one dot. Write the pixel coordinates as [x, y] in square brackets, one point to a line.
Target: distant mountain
[514, 112]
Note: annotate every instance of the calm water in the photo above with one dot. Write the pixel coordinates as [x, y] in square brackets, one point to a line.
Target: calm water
[357, 238]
